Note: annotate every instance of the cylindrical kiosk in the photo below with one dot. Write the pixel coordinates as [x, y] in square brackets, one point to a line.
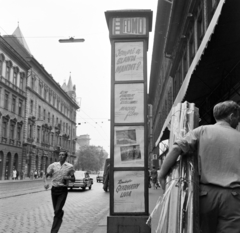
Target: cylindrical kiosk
[129, 33]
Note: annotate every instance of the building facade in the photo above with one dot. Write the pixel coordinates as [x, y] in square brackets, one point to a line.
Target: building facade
[49, 114]
[195, 58]
[13, 81]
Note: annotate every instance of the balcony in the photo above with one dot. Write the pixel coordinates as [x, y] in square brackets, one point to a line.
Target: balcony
[12, 86]
[4, 140]
[30, 140]
[11, 141]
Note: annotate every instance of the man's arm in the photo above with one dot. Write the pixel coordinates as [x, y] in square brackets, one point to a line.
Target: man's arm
[168, 163]
[70, 176]
[46, 185]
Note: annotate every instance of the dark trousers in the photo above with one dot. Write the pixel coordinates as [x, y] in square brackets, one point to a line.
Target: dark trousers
[219, 209]
[59, 196]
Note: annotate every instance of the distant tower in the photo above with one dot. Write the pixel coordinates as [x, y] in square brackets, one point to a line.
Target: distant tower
[83, 140]
[69, 88]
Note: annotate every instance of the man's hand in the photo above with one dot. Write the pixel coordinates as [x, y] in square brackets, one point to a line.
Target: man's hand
[162, 183]
[46, 186]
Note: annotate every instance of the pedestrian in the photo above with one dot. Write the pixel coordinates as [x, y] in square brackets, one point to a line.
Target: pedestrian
[154, 177]
[218, 149]
[41, 173]
[17, 176]
[35, 174]
[14, 174]
[31, 174]
[60, 172]
[21, 174]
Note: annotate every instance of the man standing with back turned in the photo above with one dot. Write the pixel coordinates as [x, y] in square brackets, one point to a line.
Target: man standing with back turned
[60, 172]
[218, 148]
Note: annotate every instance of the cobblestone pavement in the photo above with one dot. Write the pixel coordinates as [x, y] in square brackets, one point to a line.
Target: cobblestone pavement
[33, 212]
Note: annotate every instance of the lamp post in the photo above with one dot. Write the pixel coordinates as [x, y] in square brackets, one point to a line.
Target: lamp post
[71, 40]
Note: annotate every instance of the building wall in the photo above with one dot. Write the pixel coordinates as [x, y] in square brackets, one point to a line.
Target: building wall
[180, 46]
[12, 92]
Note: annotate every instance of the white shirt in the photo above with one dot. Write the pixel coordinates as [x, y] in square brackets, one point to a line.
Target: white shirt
[58, 172]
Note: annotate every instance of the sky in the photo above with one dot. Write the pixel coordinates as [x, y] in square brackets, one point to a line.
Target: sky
[44, 22]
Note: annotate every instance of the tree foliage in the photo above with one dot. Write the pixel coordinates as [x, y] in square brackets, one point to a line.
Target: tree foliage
[90, 158]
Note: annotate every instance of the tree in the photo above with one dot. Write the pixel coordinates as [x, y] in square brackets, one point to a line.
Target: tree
[90, 158]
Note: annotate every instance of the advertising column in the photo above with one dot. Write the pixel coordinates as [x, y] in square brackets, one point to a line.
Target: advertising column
[128, 30]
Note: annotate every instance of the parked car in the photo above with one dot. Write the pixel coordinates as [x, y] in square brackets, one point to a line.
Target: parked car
[99, 177]
[82, 180]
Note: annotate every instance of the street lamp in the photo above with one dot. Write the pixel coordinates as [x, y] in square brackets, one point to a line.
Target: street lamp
[71, 40]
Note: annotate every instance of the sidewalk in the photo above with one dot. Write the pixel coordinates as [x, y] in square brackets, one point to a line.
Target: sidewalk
[153, 197]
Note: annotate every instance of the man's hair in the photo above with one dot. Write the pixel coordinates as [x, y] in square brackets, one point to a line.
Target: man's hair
[65, 153]
[224, 109]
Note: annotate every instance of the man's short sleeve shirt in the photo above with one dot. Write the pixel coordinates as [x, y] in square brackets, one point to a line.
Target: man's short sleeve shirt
[58, 172]
[218, 148]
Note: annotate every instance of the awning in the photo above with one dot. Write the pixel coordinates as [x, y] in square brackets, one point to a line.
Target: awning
[194, 65]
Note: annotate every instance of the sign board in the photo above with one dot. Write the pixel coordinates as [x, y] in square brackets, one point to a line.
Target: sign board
[129, 100]
[129, 26]
[128, 191]
[129, 146]
[128, 61]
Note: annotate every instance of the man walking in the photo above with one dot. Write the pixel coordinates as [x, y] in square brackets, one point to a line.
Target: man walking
[60, 172]
[218, 148]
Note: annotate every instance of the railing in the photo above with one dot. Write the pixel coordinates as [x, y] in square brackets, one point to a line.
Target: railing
[11, 85]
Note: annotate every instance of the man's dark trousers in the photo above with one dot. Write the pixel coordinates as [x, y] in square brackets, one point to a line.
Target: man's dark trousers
[59, 196]
[219, 209]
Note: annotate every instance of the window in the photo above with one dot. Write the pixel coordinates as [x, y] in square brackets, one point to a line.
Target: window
[39, 112]
[31, 106]
[52, 139]
[12, 126]
[44, 114]
[57, 121]
[49, 117]
[15, 78]
[43, 132]
[4, 128]
[8, 73]
[33, 83]
[45, 94]
[200, 28]
[40, 89]
[13, 104]
[20, 105]
[19, 130]
[191, 49]
[52, 120]
[49, 98]
[54, 98]
[6, 98]
[1, 63]
[38, 134]
[21, 83]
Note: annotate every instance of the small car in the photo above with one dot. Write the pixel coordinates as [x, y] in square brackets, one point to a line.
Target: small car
[82, 180]
[99, 177]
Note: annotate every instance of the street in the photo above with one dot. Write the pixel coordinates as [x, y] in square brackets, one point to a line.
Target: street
[26, 207]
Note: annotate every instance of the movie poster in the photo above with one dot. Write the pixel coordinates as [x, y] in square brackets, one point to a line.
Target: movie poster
[129, 146]
[128, 61]
[129, 191]
[129, 103]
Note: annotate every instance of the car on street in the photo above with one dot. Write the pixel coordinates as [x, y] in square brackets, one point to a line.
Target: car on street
[99, 177]
[82, 180]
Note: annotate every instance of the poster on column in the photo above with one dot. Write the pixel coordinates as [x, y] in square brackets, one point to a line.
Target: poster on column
[129, 191]
[128, 61]
[129, 146]
[129, 103]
